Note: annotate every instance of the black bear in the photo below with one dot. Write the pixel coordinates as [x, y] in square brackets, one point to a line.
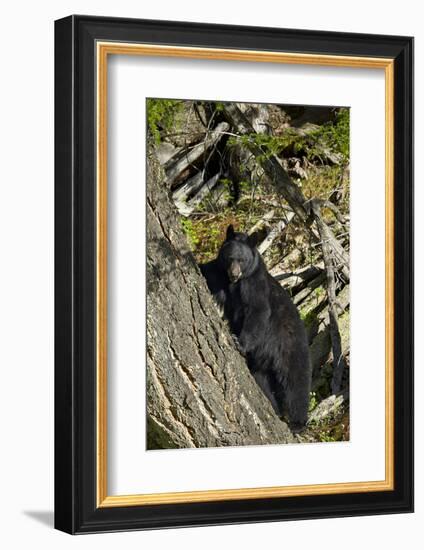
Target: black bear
[266, 325]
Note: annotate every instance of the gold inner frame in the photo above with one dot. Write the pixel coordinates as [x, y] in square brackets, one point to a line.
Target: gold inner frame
[104, 49]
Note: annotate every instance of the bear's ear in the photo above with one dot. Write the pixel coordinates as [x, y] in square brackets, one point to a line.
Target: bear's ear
[253, 239]
[230, 233]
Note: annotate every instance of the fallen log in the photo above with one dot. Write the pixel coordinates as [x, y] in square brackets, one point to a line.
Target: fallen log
[298, 279]
[275, 231]
[264, 221]
[166, 151]
[310, 287]
[342, 300]
[320, 347]
[186, 208]
[188, 188]
[328, 407]
[174, 167]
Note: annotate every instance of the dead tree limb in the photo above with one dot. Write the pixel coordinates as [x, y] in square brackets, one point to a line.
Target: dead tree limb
[186, 208]
[188, 188]
[174, 167]
[264, 221]
[273, 234]
[310, 287]
[320, 347]
[329, 259]
[298, 278]
[331, 206]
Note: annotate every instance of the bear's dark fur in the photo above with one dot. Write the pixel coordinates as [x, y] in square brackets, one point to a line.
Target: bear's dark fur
[265, 323]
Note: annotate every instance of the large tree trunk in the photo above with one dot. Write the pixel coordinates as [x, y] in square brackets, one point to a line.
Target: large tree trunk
[200, 392]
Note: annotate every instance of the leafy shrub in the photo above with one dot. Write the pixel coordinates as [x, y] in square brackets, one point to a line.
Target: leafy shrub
[161, 114]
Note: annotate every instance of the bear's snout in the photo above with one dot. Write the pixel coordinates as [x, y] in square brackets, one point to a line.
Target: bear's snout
[234, 272]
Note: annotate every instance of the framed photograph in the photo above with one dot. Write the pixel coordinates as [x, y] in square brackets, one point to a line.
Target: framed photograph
[234, 274]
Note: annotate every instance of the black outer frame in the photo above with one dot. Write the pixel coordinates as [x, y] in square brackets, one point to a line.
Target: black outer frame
[75, 274]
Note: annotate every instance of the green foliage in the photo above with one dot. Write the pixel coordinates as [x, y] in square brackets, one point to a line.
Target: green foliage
[161, 114]
[326, 438]
[342, 132]
[331, 428]
[191, 234]
[205, 236]
[313, 402]
[321, 181]
[206, 230]
[334, 429]
[331, 136]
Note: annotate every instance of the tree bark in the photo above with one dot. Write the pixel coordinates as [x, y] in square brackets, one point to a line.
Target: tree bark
[200, 392]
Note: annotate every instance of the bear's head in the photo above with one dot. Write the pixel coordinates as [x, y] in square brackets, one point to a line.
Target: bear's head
[238, 256]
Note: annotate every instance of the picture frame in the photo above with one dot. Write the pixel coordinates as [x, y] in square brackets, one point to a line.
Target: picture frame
[82, 47]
